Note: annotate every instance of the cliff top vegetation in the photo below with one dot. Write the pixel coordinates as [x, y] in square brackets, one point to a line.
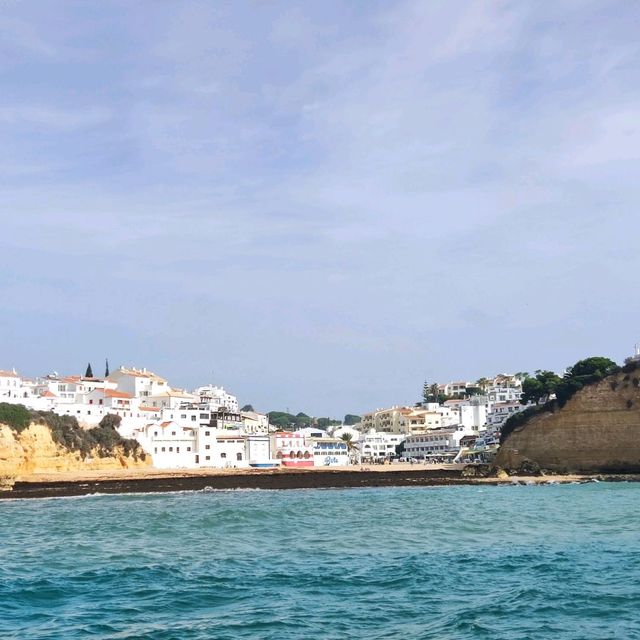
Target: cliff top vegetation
[545, 384]
[102, 440]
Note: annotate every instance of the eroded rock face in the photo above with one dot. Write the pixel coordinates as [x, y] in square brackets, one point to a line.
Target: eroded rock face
[34, 451]
[598, 430]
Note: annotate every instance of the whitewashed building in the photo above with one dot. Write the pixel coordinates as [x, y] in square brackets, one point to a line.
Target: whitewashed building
[216, 397]
[376, 445]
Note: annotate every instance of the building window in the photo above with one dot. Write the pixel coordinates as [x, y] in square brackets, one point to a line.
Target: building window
[155, 450]
[223, 455]
[206, 433]
[193, 418]
[162, 449]
[173, 433]
[207, 457]
[170, 448]
[188, 448]
[239, 456]
[177, 449]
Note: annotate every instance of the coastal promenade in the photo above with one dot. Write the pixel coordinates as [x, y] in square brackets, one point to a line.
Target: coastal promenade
[157, 481]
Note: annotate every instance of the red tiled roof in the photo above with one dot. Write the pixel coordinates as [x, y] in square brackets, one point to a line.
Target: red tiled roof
[112, 393]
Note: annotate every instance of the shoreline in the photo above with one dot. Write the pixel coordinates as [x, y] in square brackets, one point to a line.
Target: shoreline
[160, 481]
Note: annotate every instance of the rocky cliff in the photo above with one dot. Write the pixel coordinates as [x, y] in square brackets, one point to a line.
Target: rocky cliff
[33, 450]
[597, 431]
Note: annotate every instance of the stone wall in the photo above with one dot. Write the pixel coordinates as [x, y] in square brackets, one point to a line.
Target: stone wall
[597, 431]
[34, 451]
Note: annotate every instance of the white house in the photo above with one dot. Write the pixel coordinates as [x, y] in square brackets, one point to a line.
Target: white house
[375, 445]
[500, 411]
[254, 422]
[170, 445]
[438, 443]
[140, 383]
[169, 399]
[329, 452]
[216, 397]
[10, 385]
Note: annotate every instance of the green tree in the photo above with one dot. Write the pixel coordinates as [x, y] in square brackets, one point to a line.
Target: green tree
[351, 419]
[425, 391]
[88, 373]
[597, 366]
[323, 423]
[247, 407]
[539, 389]
[581, 373]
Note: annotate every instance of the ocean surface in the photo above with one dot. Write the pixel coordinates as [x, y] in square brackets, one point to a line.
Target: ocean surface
[559, 561]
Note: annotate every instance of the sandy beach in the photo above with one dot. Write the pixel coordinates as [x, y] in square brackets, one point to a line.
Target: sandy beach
[157, 481]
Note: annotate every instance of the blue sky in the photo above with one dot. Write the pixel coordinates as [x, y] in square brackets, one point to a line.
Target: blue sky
[318, 205]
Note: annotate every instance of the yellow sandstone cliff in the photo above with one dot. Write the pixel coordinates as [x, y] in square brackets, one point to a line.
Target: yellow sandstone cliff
[597, 431]
[34, 451]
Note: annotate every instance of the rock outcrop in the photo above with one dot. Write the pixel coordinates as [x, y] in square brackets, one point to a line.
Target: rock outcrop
[34, 451]
[597, 431]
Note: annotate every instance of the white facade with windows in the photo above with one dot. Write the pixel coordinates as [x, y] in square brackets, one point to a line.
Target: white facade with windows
[216, 397]
[376, 445]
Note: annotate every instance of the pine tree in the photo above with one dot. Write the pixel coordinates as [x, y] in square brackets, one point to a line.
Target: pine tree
[88, 373]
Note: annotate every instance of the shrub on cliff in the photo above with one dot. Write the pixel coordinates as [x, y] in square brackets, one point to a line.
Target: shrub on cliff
[17, 416]
[107, 438]
[103, 439]
[65, 431]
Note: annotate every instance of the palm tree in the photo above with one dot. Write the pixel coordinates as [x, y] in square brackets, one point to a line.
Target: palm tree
[347, 438]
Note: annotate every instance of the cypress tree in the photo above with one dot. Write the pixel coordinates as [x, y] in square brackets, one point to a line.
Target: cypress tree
[88, 373]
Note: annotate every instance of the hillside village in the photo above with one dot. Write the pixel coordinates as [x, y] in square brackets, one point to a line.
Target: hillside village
[459, 421]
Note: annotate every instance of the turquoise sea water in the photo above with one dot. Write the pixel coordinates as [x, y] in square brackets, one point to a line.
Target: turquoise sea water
[393, 563]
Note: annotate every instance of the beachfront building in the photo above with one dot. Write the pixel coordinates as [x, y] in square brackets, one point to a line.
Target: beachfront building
[441, 444]
[258, 449]
[173, 446]
[377, 446]
[170, 445]
[291, 449]
[329, 452]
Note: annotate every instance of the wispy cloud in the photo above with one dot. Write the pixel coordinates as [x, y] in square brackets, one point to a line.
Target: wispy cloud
[425, 189]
